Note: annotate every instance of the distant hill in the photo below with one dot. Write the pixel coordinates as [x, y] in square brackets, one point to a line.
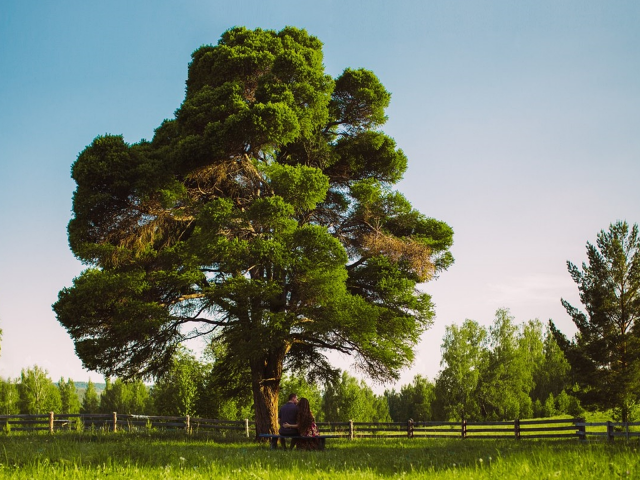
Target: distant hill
[81, 387]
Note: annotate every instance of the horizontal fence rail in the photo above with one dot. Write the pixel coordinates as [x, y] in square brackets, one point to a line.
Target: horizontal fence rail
[611, 430]
[118, 421]
[518, 429]
[549, 428]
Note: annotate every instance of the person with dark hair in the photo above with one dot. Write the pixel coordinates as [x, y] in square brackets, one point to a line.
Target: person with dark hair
[288, 414]
[306, 426]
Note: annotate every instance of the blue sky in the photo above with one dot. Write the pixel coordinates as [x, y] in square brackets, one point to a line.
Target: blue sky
[521, 122]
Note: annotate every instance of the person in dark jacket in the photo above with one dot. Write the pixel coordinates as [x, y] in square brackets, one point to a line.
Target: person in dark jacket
[288, 414]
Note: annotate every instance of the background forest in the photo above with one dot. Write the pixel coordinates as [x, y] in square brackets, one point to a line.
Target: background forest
[503, 372]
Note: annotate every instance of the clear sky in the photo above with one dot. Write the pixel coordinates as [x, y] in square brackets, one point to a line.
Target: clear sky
[521, 122]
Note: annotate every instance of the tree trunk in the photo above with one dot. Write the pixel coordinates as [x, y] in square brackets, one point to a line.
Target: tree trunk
[265, 383]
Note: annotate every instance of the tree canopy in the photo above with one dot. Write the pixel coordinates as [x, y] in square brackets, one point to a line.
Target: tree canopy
[605, 353]
[37, 392]
[506, 371]
[90, 399]
[464, 354]
[263, 217]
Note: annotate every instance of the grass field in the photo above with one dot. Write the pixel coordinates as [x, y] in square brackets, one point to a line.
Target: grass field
[161, 456]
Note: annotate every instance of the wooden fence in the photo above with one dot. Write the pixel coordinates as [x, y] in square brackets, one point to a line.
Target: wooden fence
[610, 430]
[543, 428]
[117, 421]
[518, 429]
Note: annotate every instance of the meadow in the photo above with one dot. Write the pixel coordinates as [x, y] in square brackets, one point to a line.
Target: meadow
[152, 456]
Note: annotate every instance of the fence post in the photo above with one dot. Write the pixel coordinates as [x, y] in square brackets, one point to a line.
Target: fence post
[464, 429]
[351, 430]
[610, 431]
[582, 429]
[50, 422]
[410, 428]
[246, 426]
[115, 421]
[187, 424]
[516, 428]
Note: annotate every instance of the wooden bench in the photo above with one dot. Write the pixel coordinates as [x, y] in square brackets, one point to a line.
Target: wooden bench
[320, 439]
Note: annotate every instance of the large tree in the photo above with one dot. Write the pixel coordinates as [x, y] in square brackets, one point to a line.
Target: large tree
[263, 216]
[605, 353]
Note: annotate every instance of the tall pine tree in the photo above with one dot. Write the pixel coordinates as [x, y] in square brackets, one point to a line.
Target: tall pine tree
[605, 352]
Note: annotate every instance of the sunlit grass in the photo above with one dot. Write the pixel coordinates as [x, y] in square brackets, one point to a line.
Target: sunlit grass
[157, 456]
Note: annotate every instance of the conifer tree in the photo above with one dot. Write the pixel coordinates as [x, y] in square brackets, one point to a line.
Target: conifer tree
[91, 400]
[68, 396]
[605, 353]
[262, 216]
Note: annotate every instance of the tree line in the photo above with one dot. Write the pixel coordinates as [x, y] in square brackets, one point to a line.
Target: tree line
[502, 372]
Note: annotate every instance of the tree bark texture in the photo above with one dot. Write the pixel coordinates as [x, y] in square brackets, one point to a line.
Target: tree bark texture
[266, 373]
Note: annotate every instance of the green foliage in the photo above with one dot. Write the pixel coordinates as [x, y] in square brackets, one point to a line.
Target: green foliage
[233, 409]
[225, 391]
[605, 353]
[177, 391]
[505, 372]
[9, 397]
[414, 401]
[350, 399]
[563, 403]
[125, 397]
[262, 216]
[70, 403]
[37, 392]
[506, 378]
[552, 373]
[549, 407]
[91, 400]
[464, 354]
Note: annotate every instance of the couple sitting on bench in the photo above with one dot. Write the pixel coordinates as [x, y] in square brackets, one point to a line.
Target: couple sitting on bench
[296, 420]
